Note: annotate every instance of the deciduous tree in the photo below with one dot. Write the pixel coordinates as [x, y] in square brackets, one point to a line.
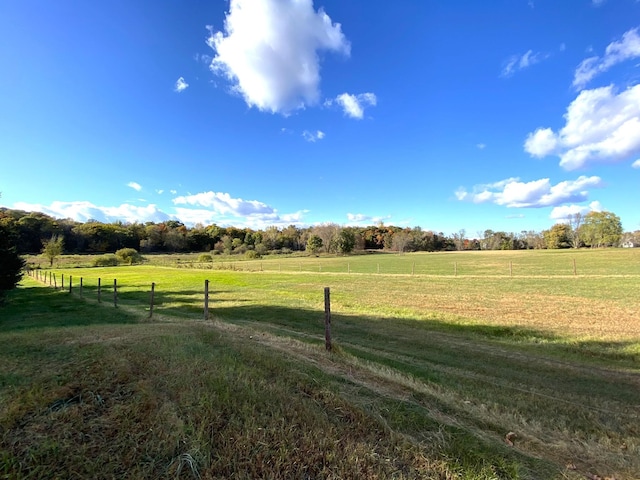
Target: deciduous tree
[601, 229]
[53, 248]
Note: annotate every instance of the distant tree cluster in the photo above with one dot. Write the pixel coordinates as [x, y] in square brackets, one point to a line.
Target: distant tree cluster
[595, 229]
[33, 232]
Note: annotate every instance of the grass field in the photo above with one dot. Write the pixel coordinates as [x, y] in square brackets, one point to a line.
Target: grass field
[430, 373]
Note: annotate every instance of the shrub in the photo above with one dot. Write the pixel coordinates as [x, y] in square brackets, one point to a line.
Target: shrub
[128, 256]
[108, 260]
[251, 254]
[205, 257]
[261, 249]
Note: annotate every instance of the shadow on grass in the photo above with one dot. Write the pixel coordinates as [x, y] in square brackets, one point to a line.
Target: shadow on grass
[451, 354]
[38, 307]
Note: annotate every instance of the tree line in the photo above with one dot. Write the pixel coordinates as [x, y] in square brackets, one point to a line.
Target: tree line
[31, 232]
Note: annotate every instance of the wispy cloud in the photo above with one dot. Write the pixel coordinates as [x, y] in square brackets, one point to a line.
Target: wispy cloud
[269, 51]
[313, 136]
[180, 85]
[513, 193]
[628, 47]
[519, 62]
[353, 105]
[359, 219]
[136, 186]
[601, 127]
[481, 146]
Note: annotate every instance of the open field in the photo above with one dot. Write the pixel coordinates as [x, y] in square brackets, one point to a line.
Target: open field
[429, 374]
[486, 263]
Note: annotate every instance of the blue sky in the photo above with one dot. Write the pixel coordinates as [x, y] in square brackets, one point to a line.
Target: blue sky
[447, 115]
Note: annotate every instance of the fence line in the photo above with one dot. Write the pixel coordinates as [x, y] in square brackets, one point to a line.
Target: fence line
[38, 275]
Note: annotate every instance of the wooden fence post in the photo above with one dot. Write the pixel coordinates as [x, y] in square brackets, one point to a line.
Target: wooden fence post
[327, 319]
[153, 288]
[62, 286]
[206, 299]
[70, 283]
[115, 293]
[81, 287]
[99, 291]
[55, 282]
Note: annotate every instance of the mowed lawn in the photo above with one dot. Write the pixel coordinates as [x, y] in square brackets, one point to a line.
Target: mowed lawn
[456, 365]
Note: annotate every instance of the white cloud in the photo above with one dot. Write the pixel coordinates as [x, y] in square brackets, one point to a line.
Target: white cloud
[562, 213]
[520, 62]
[636, 164]
[354, 105]
[224, 211]
[513, 193]
[181, 85]
[601, 126]
[159, 192]
[82, 211]
[269, 51]
[191, 216]
[481, 146]
[136, 186]
[313, 137]
[597, 3]
[224, 204]
[626, 48]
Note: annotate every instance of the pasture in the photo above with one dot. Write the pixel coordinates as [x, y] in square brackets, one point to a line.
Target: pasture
[446, 365]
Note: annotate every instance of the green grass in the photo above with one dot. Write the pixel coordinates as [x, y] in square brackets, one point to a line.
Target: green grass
[428, 375]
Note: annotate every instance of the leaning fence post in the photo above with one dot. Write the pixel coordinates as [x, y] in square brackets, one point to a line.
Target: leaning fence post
[206, 299]
[99, 291]
[55, 282]
[327, 319]
[153, 288]
[115, 293]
